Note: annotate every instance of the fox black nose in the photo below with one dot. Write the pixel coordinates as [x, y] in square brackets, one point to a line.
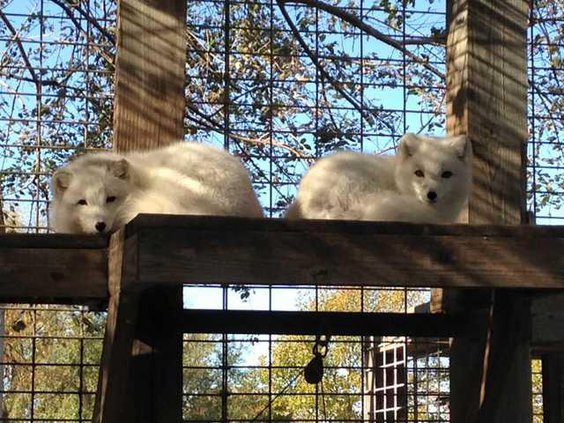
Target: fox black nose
[432, 196]
[100, 226]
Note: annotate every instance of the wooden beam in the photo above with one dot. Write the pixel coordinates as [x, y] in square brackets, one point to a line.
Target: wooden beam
[53, 268]
[487, 100]
[111, 394]
[150, 74]
[200, 249]
[553, 387]
[321, 323]
[149, 112]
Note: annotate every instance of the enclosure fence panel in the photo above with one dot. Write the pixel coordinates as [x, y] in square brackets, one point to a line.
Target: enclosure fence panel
[278, 83]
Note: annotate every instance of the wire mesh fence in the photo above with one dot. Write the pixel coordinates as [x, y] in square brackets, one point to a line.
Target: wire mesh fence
[278, 83]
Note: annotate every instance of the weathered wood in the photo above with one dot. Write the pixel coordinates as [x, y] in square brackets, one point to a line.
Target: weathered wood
[156, 373]
[118, 338]
[486, 99]
[237, 250]
[151, 57]
[553, 387]
[52, 268]
[507, 377]
[149, 112]
[548, 322]
[321, 323]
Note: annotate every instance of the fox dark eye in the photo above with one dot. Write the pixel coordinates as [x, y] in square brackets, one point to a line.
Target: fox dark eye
[81, 202]
[110, 199]
[419, 173]
[447, 174]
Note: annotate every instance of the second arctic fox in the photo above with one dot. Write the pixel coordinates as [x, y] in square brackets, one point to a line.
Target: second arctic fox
[427, 181]
[100, 192]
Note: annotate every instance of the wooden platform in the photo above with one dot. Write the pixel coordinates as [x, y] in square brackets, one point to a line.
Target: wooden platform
[172, 250]
[143, 342]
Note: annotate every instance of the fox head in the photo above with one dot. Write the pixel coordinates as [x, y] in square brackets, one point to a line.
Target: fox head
[437, 170]
[88, 196]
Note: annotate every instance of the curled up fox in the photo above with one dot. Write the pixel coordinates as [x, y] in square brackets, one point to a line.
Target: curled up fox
[427, 181]
[100, 192]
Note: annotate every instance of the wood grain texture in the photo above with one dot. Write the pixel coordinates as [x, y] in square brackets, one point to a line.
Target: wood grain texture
[116, 360]
[150, 74]
[487, 100]
[52, 268]
[195, 249]
[149, 112]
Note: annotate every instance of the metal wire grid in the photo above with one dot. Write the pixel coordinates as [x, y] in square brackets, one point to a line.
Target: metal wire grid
[293, 85]
[49, 364]
[536, 373]
[56, 66]
[284, 102]
[55, 96]
[39, 123]
[260, 377]
[546, 121]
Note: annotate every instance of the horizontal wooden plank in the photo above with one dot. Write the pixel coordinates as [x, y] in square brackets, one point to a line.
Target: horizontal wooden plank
[53, 241]
[321, 323]
[53, 269]
[193, 249]
[146, 221]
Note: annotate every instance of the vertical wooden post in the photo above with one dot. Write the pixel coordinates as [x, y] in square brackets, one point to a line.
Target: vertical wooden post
[553, 387]
[143, 345]
[487, 100]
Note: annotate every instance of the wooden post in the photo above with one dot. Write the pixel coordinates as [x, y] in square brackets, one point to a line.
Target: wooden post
[487, 100]
[553, 387]
[149, 112]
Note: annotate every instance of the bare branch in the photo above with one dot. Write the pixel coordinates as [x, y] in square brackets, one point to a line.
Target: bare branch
[370, 30]
[76, 23]
[18, 41]
[212, 125]
[363, 112]
[91, 20]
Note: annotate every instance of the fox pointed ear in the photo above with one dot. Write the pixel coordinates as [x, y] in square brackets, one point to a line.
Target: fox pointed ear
[408, 145]
[61, 181]
[120, 169]
[461, 145]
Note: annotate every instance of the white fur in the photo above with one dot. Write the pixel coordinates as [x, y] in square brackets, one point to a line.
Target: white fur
[357, 186]
[183, 178]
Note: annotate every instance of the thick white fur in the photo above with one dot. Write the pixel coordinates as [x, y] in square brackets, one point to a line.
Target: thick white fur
[183, 178]
[357, 186]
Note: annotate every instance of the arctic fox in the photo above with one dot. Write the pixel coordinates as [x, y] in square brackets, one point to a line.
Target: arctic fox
[100, 192]
[427, 181]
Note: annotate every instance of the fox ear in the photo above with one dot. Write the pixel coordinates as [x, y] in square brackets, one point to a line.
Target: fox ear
[61, 181]
[120, 169]
[461, 145]
[408, 145]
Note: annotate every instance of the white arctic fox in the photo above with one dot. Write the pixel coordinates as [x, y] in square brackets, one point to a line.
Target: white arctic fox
[100, 192]
[427, 181]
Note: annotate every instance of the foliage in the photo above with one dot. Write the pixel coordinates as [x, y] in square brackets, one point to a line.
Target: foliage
[301, 79]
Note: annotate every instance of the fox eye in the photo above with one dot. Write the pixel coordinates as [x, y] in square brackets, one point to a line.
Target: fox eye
[446, 174]
[81, 202]
[419, 173]
[110, 199]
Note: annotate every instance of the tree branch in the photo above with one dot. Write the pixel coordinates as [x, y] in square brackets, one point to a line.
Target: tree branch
[86, 16]
[23, 54]
[363, 112]
[212, 125]
[370, 30]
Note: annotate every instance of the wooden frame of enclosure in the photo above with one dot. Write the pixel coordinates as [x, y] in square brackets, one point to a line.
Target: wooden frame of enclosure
[139, 272]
